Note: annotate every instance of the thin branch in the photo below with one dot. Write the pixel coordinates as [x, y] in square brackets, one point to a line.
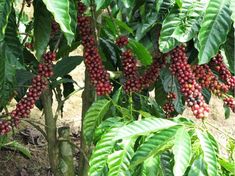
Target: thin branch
[21, 12]
[58, 42]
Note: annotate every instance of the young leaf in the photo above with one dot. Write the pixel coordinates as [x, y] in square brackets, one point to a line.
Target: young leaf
[93, 118]
[209, 154]
[141, 52]
[214, 29]
[156, 143]
[182, 150]
[143, 127]
[42, 28]
[5, 10]
[61, 13]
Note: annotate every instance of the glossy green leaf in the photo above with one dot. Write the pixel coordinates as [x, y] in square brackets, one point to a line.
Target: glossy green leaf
[151, 166]
[214, 29]
[155, 144]
[5, 10]
[119, 161]
[190, 17]
[166, 159]
[229, 50]
[197, 168]
[93, 118]
[232, 7]
[182, 151]
[209, 154]
[66, 65]
[141, 52]
[42, 28]
[102, 4]
[143, 127]
[100, 154]
[166, 41]
[163, 7]
[61, 13]
[228, 165]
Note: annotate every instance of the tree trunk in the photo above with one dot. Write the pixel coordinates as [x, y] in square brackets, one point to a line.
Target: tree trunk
[87, 100]
[51, 131]
[65, 152]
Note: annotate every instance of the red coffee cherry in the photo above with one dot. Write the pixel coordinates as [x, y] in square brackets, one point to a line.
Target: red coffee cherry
[188, 85]
[230, 102]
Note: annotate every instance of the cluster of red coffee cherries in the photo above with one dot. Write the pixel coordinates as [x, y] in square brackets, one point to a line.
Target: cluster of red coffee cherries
[168, 107]
[218, 64]
[100, 78]
[207, 79]
[188, 85]
[230, 102]
[25, 105]
[134, 82]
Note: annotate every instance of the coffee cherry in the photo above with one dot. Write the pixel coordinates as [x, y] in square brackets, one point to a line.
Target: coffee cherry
[230, 102]
[168, 107]
[188, 85]
[122, 41]
[207, 79]
[4, 127]
[217, 63]
[99, 76]
[29, 45]
[39, 83]
[55, 28]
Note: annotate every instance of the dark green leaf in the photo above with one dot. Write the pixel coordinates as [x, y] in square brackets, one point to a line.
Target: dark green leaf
[214, 29]
[5, 10]
[102, 4]
[229, 50]
[66, 65]
[42, 28]
[141, 52]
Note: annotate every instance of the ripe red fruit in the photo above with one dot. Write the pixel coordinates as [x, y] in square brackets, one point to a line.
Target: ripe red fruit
[207, 79]
[230, 102]
[122, 41]
[188, 85]
[39, 83]
[217, 63]
[100, 78]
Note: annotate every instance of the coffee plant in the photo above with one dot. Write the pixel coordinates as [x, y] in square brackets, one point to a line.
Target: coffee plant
[146, 61]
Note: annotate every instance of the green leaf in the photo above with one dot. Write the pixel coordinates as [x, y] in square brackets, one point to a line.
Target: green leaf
[182, 151]
[5, 11]
[209, 154]
[166, 159]
[197, 168]
[179, 3]
[123, 26]
[152, 166]
[228, 165]
[66, 65]
[170, 84]
[166, 41]
[100, 154]
[155, 144]
[119, 161]
[141, 52]
[229, 50]
[11, 39]
[163, 7]
[143, 127]
[42, 28]
[226, 112]
[232, 7]
[102, 4]
[19, 147]
[61, 13]
[214, 29]
[93, 118]
[190, 18]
